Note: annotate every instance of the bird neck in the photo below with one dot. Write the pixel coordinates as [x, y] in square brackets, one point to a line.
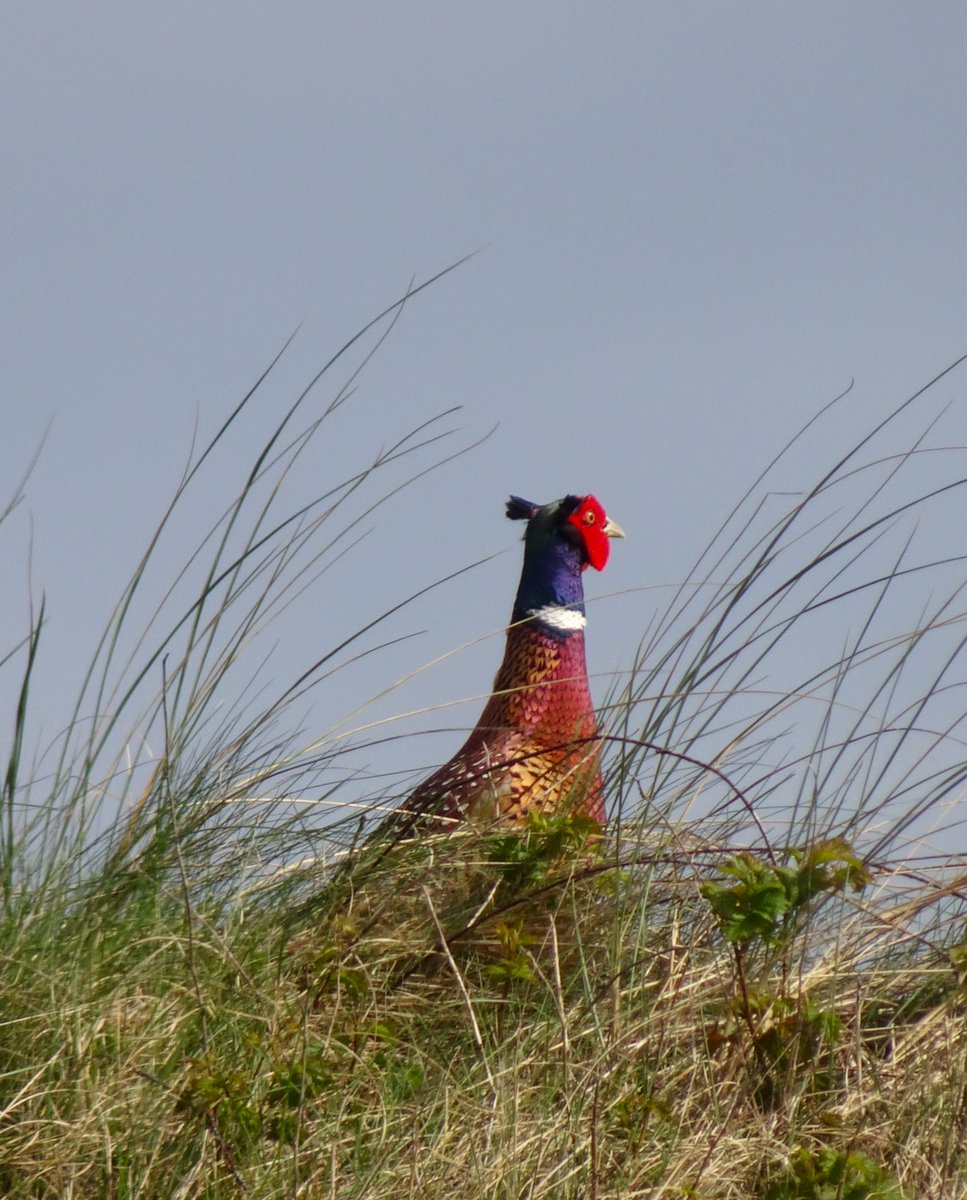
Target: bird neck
[551, 590]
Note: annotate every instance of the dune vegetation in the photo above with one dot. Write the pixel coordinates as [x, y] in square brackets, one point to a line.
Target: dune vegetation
[750, 985]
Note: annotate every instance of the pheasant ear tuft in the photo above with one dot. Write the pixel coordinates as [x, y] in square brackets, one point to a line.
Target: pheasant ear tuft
[520, 510]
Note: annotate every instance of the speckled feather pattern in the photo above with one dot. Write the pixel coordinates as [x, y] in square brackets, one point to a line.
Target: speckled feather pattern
[534, 747]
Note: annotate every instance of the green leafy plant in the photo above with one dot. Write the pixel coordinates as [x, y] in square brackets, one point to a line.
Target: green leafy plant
[513, 964]
[768, 904]
[768, 899]
[549, 844]
[827, 1174]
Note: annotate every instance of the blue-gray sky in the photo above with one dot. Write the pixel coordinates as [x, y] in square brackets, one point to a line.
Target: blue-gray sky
[696, 222]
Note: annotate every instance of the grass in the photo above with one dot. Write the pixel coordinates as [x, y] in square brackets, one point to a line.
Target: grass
[751, 986]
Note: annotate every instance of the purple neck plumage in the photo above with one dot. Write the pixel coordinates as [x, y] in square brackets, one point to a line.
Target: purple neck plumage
[551, 584]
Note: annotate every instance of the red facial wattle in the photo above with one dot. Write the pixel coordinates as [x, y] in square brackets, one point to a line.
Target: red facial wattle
[591, 522]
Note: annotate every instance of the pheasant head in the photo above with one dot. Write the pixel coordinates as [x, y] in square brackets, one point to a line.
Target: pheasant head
[562, 540]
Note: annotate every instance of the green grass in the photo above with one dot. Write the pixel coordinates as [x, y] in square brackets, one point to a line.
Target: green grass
[751, 986]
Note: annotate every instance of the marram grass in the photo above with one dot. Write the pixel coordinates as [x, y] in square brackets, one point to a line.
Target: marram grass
[440, 1031]
[752, 985]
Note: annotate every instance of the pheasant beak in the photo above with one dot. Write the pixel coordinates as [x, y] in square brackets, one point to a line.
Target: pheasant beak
[613, 529]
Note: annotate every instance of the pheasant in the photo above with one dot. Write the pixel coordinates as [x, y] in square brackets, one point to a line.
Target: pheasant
[534, 748]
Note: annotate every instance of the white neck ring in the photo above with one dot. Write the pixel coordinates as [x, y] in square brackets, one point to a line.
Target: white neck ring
[567, 620]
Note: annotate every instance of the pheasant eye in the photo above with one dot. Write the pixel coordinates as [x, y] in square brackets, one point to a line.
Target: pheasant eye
[589, 518]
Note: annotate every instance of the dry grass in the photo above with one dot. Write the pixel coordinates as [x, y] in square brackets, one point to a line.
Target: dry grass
[587, 1038]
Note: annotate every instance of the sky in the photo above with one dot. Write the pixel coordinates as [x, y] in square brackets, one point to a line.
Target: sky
[690, 225]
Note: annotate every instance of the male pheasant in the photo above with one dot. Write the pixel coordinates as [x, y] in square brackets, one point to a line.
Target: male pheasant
[534, 748]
